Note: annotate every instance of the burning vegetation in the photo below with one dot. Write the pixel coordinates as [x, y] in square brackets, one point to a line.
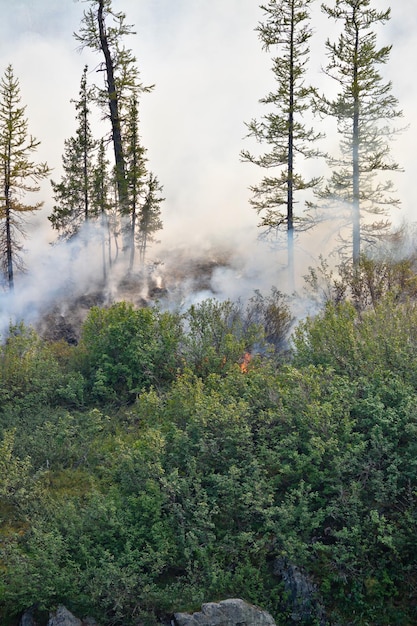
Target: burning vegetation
[244, 365]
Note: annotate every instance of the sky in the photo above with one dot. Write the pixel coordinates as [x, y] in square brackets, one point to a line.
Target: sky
[203, 58]
[209, 71]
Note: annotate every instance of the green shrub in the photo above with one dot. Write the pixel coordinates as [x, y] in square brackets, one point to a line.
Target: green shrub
[125, 350]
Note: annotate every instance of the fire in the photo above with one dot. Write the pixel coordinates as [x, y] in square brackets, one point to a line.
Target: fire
[247, 357]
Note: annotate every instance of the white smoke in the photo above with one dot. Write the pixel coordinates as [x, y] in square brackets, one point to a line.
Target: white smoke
[210, 71]
[174, 277]
[53, 273]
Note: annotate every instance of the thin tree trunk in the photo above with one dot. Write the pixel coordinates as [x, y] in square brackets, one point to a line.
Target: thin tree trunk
[8, 211]
[9, 252]
[134, 201]
[143, 249]
[85, 164]
[132, 240]
[114, 114]
[290, 171]
[356, 227]
[356, 223]
[103, 246]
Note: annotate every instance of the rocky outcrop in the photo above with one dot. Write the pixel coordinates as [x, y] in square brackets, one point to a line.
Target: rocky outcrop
[303, 602]
[28, 618]
[63, 617]
[232, 612]
[303, 606]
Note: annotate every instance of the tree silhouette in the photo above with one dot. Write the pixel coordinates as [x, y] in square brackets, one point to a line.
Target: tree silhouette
[19, 175]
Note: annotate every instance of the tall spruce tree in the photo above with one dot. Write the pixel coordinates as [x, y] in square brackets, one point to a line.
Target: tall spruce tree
[136, 173]
[72, 194]
[286, 29]
[19, 175]
[103, 30]
[102, 203]
[149, 217]
[364, 109]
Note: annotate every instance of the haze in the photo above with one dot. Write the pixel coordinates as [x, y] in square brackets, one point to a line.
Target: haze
[209, 72]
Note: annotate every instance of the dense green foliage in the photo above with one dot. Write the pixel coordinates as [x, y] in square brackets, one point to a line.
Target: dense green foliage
[143, 472]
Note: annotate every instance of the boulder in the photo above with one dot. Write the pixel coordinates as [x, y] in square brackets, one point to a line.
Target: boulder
[231, 612]
[303, 601]
[63, 617]
[28, 618]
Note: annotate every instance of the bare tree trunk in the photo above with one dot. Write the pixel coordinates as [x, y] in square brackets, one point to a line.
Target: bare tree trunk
[85, 165]
[103, 246]
[290, 171]
[9, 253]
[132, 240]
[143, 249]
[9, 248]
[356, 225]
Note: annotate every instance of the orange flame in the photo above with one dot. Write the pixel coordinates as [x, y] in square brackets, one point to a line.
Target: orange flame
[247, 357]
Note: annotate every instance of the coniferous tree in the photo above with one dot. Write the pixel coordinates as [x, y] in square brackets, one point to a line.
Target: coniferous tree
[121, 77]
[135, 174]
[364, 109]
[102, 203]
[286, 30]
[149, 216]
[18, 174]
[72, 194]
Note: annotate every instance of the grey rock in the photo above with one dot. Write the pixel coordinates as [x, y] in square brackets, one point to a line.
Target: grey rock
[27, 618]
[231, 612]
[63, 617]
[303, 601]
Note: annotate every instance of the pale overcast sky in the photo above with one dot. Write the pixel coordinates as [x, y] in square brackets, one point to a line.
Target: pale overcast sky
[209, 71]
